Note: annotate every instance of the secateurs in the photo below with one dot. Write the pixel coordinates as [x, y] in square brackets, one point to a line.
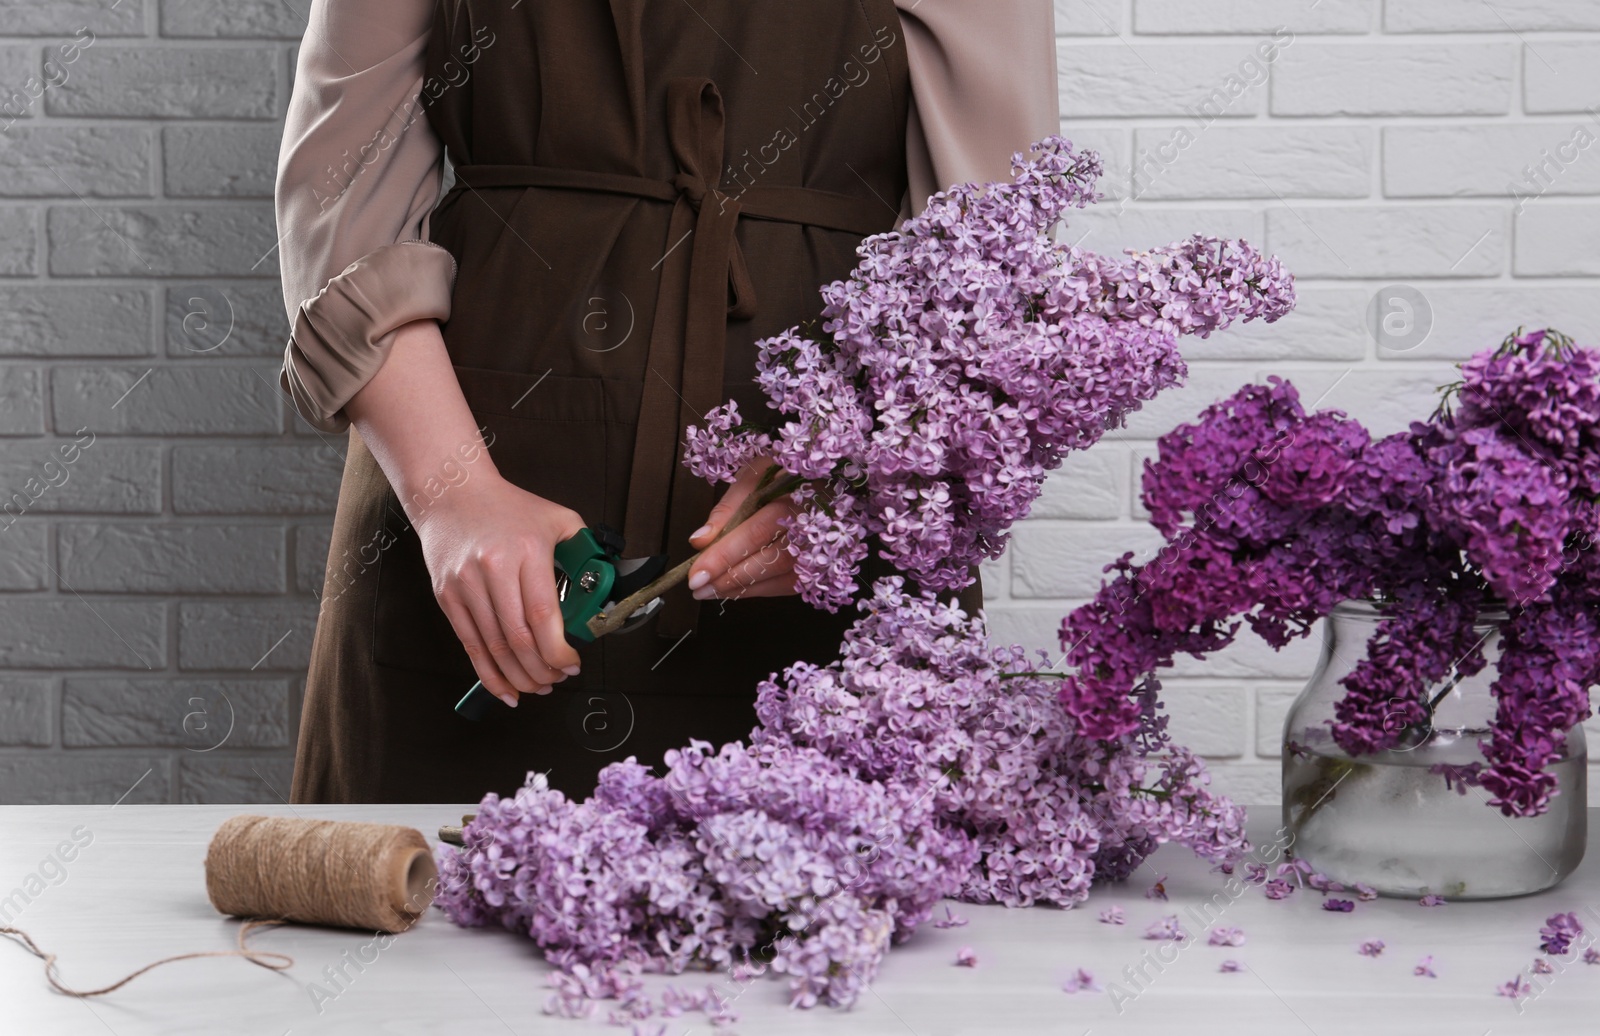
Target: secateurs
[591, 576]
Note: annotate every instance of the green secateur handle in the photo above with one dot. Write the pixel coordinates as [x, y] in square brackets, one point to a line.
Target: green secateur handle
[587, 572]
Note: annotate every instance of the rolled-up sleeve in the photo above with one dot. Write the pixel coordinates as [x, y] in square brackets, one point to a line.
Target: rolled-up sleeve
[359, 171]
[983, 87]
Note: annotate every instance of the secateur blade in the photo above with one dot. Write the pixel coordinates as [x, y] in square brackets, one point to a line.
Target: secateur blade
[633, 575]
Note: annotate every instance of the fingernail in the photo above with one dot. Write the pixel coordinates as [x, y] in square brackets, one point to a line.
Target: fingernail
[705, 593]
[699, 579]
[571, 670]
[542, 690]
[700, 532]
[510, 699]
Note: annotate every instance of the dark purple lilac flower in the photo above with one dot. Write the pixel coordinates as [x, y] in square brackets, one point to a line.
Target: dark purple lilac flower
[1338, 906]
[1273, 516]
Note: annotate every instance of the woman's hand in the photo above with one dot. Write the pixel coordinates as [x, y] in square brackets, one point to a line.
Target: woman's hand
[490, 548]
[752, 560]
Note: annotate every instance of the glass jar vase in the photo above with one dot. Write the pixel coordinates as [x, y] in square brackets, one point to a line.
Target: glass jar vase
[1402, 820]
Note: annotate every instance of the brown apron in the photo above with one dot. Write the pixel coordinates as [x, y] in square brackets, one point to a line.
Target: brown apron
[644, 190]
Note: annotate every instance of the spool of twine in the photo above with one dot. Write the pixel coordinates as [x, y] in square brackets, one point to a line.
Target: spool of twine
[276, 869]
[342, 873]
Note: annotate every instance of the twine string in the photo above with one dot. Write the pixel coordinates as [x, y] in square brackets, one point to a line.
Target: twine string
[261, 957]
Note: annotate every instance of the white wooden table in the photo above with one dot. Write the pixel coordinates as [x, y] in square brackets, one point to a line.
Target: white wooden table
[136, 892]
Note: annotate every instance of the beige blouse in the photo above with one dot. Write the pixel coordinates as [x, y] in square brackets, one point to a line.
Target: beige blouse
[354, 197]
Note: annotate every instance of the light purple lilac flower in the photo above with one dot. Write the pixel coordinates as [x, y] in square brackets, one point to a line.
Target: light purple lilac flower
[1166, 928]
[1277, 888]
[1226, 936]
[1157, 890]
[1431, 900]
[1338, 906]
[1230, 966]
[966, 958]
[951, 919]
[1424, 968]
[1541, 966]
[959, 362]
[1516, 989]
[1371, 948]
[874, 787]
[1113, 915]
[1591, 956]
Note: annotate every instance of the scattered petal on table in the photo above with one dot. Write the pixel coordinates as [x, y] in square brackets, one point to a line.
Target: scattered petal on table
[1371, 948]
[1229, 936]
[1338, 906]
[1113, 915]
[1277, 888]
[965, 958]
[1230, 966]
[1425, 968]
[1431, 900]
[951, 919]
[1081, 980]
[1555, 938]
[1166, 928]
[1158, 890]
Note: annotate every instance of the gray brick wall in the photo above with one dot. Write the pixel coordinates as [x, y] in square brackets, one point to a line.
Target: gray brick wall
[159, 589]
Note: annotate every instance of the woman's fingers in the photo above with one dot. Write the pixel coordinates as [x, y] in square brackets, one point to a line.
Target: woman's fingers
[780, 585]
[475, 595]
[746, 483]
[538, 580]
[512, 610]
[482, 663]
[748, 554]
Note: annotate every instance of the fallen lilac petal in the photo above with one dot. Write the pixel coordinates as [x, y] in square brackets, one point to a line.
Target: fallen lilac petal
[1277, 888]
[1516, 989]
[1338, 906]
[1166, 928]
[965, 958]
[1366, 893]
[1591, 956]
[951, 919]
[1113, 915]
[1558, 932]
[1230, 966]
[1542, 967]
[1158, 890]
[1432, 900]
[1425, 968]
[1371, 948]
[1081, 980]
[1230, 936]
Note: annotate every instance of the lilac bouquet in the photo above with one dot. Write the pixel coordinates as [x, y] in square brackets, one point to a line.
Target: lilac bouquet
[924, 763]
[1273, 516]
[957, 364]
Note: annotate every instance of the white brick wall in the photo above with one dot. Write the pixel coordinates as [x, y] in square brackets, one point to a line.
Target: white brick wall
[1378, 147]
